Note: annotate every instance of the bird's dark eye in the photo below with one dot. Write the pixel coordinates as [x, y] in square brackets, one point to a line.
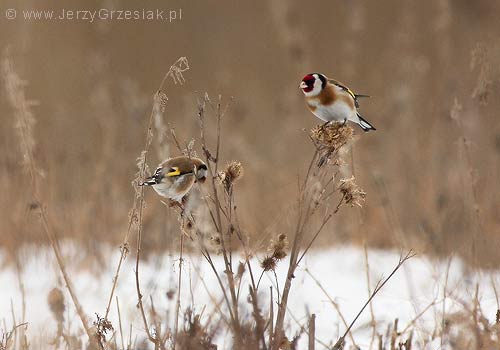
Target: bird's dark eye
[309, 79]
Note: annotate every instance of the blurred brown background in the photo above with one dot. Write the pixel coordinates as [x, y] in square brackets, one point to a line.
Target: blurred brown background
[432, 183]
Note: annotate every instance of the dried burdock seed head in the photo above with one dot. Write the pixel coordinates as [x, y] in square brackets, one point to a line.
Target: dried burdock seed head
[55, 299]
[234, 170]
[351, 192]
[332, 136]
[268, 263]
[232, 173]
[278, 247]
[279, 254]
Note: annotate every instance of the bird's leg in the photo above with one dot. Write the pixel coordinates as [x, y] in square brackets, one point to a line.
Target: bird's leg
[345, 121]
[323, 126]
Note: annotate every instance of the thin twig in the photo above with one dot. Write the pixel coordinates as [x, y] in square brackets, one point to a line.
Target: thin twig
[378, 287]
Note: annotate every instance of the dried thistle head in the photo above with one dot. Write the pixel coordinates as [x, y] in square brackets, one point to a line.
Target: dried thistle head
[278, 247]
[351, 192]
[102, 326]
[332, 136]
[329, 140]
[268, 263]
[232, 173]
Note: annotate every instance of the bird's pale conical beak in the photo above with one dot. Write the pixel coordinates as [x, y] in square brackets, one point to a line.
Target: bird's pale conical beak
[302, 85]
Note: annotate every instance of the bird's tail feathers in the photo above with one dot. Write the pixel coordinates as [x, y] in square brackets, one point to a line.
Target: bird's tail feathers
[365, 125]
[361, 95]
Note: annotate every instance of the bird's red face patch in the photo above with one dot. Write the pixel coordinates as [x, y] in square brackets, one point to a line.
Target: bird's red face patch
[308, 83]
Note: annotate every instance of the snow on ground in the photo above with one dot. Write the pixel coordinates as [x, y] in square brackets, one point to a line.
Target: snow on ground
[340, 270]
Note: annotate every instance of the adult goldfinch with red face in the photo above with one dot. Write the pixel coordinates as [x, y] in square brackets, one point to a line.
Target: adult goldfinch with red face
[330, 100]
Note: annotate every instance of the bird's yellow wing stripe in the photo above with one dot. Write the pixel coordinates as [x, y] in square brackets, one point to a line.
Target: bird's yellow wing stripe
[343, 87]
[174, 173]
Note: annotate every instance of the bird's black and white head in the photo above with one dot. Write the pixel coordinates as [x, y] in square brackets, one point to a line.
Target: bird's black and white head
[201, 170]
[313, 83]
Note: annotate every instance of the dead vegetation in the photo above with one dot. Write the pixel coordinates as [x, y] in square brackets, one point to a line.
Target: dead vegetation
[213, 216]
[457, 202]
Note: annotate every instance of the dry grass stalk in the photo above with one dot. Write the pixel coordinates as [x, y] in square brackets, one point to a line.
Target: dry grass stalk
[135, 215]
[377, 289]
[334, 304]
[318, 186]
[471, 178]
[25, 122]
[312, 332]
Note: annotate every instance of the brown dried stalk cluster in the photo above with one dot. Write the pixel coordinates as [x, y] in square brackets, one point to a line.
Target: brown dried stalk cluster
[265, 328]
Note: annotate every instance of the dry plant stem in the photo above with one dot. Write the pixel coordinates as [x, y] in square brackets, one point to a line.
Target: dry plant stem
[271, 315]
[280, 318]
[8, 336]
[494, 287]
[120, 322]
[22, 107]
[179, 282]
[335, 305]
[301, 326]
[177, 77]
[445, 290]
[212, 298]
[312, 331]
[368, 286]
[378, 287]
[137, 283]
[208, 258]
[213, 170]
[307, 207]
[417, 317]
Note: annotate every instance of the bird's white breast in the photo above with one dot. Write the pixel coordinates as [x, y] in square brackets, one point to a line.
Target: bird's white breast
[176, 190]
[337, 111]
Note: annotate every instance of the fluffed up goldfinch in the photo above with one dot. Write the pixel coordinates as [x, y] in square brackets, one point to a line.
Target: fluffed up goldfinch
[174, 177]
[330, 100]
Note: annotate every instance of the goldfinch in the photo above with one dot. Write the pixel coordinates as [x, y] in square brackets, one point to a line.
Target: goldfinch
[174, 177]
[330, 100]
